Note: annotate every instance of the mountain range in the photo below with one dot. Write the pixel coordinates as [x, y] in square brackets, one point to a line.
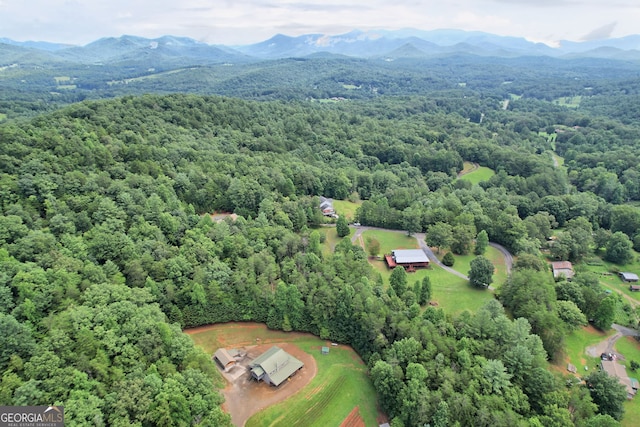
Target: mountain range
[381, 44]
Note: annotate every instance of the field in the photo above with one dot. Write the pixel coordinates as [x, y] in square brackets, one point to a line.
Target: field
[2, 116]
[340, 384]
[475, 175]
[568, 101]
[463, 264]
[346, 209]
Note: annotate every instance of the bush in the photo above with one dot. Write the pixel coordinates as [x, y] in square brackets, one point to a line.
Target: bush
[448, 259]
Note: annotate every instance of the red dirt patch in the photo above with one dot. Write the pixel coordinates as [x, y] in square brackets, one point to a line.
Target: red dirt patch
[353, 419]
[245, 397]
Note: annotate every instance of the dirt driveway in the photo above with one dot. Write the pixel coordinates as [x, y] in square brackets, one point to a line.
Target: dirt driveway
[245, 397]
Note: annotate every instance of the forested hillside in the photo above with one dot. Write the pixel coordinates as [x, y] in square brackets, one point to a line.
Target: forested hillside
[108, 249]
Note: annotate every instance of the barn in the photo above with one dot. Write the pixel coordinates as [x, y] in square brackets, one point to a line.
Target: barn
[274, 366]
[628, 277]
[410, 259]
[562, 269]
[224, 359]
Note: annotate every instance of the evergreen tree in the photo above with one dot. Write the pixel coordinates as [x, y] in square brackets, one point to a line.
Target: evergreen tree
[482, 241]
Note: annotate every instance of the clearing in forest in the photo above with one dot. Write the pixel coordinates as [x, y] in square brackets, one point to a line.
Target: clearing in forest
[324, 392]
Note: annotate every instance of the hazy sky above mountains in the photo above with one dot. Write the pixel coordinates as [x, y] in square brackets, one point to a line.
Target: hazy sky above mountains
[233, 22]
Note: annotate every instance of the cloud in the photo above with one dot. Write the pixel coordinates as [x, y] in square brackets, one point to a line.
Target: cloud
[600, 33]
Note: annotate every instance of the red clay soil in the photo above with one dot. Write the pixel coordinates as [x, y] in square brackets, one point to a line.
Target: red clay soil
[353, 419]
[245, 397]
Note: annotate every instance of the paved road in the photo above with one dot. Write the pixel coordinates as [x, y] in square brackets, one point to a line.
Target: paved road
[607, 346]
[508, 258]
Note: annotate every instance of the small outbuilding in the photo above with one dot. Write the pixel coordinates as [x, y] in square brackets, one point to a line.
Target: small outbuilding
[562, 269]
[274, 366]
[325, 351]
[634, 288]
[629, 277]
[224, 359]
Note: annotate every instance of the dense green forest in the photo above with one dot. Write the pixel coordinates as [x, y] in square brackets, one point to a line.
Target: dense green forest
[107, 249]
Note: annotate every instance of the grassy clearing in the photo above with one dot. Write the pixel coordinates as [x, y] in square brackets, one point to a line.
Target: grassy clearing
[331, 239]
[463, 264]
[576, 344]
[609, 278]
[340, 384]
[3, 116]
[630, 349]
[346, 209]
[568, 101]
[390, 240]
[479, 175]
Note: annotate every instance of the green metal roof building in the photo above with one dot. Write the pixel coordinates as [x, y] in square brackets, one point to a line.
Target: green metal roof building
[274, 366]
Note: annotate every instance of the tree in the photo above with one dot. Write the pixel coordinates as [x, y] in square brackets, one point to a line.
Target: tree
[439, 235]
[619, 248]
[481, 272]
[605, 313]
[342, 228]
[398, 280]
[373, 246]
[412, 220]
[482, 241]
[448, 259]
[570, 314]
[607, 392]
[462, 238]
[425, 291]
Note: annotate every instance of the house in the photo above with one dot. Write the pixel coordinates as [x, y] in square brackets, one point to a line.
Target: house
[619, 371]
[410, 259]
[224, 359]
[326, 206]
[628, 277]
[562, 269]
[274, 366]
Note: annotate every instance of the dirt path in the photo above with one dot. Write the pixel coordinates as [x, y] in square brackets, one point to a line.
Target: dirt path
[474, 167]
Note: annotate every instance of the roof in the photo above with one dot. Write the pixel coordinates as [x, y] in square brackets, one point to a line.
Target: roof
[562, 265]
[223, 356]
[562, 268]
[277, 364]
[409, 256]
[615, 369]
[629, 277]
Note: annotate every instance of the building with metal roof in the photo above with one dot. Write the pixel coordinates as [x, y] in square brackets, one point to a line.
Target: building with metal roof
[619, 371]
[628, 277]
[274, 366]
[562, 269]
[408, 258]
[224, 359]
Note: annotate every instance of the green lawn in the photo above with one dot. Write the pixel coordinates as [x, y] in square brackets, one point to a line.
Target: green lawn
[463, 264]
[609, 279]
[568, 101]
[390, 240]
[479, 175]
[346, 209]
[576, 344]
[630, 349]
[2, 116]
[340, 385]
[331, 239]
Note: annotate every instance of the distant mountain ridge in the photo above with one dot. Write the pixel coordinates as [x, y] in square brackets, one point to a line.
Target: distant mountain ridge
[384, 44]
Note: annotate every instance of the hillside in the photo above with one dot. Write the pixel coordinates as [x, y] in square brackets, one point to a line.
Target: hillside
[108, 248]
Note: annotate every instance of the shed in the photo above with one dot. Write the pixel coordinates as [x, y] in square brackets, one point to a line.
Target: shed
[325, 350]
[224, 359]
[634, 288]
[562, 269]
[274, 366]
[628, 277]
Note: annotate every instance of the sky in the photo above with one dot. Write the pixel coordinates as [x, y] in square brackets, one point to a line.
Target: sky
[238, 22]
